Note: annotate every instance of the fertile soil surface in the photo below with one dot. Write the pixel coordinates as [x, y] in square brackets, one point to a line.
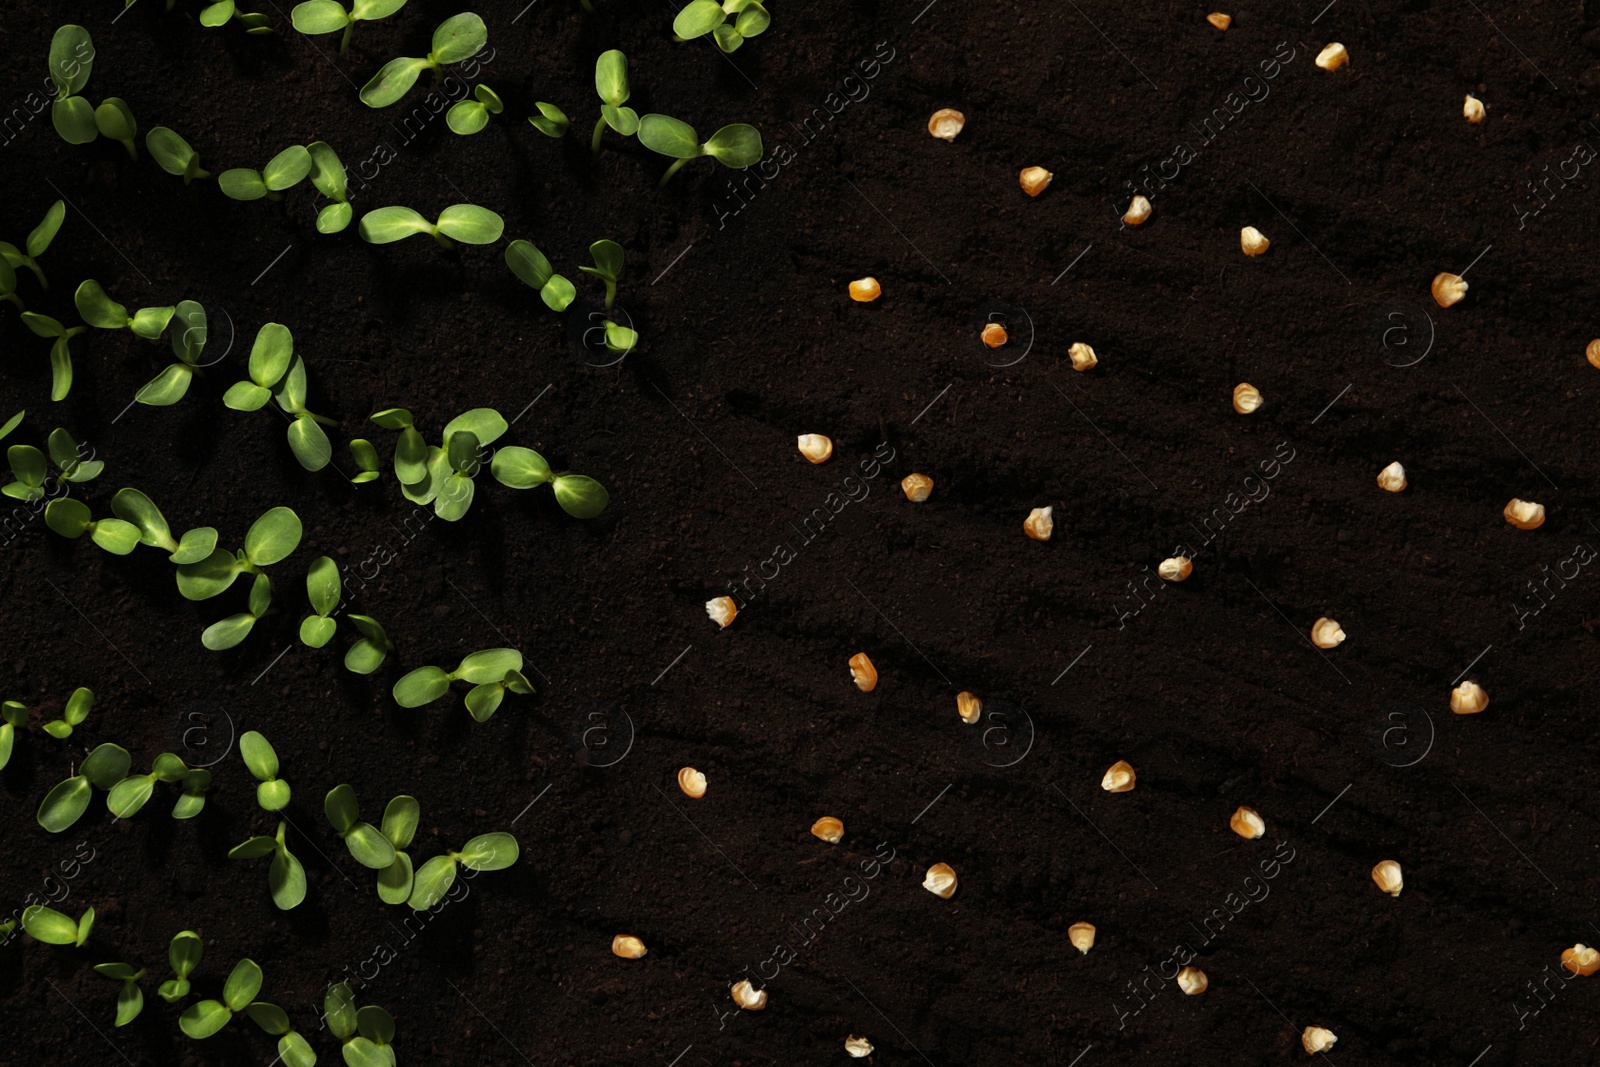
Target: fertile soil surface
[1367, 180]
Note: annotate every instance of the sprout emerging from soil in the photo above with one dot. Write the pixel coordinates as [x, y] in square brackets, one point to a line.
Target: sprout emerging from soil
[71, 519]
[205, 1018]
[283, 171]
[269, 540]
[285, 877]
[457, 38]
[37, 244]
[366, 1033]
[173, 154]
[322, 589]
[700, 17]
[492, 672]
[67, 801]
[77, 710]
[277, 373]
[172, 384]
[13, 717]
[370, 847]
[366, 457]
[71, 61]
[293, 1049]
[330, 179]
[611, 82]
[114, 119]
[607, 267]
[400, 821]
[96, 308]
[131, 794]
[530, 265]
[53, 928]
[60, 351]
[130, 1000]
[370, 649]
[134, 507]
[467, 223]
[326, 16]
[442, 475]
[184, 956]
[736, 146]
[551, 120]
[487, 852]
[467, 117]
[522, 468]
[262, 760]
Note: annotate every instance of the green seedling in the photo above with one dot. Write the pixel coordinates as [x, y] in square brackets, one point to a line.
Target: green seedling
[53, 928]
[71, 60]
[11, 424]
[411, 451]
[618, 338]
[330, 179]
[283, 171]
[607, 267]
[30, 471]
[736, 146]
[37, 244]
[222, 12]
[366, 1033]
[96, 307]
[326, 16]
[114, 119]
[366, 457]
[67, 801]
[457, 38]
[522, 468]
[370, 649]
[276, 372]
[530, 265]
[134, 507]
[269, 540]
[551, 120]
[285, 877]
[369, 847]
[400, 821]
[77, 710]
[293, 1050]
[131, 794]
[68, 456]
[193, 799]
[611, 83]
[467, 117]
[60, 351]
[700, 17]
[130, 1001]
[172, 384]
[184, 956]
[13, 717]
[322, 587]
[487, 852]
[466, 223]
[491, 672]
[443, 475]
[259, 756]
[71, 519]
[8, 284]
[173, 154]
[202, 1019]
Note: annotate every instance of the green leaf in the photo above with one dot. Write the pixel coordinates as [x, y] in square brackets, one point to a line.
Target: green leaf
[327, 173]
[67, 455]
[728, 39]
[369, 847]
[296, 1052]
[8, 737]
[78, 705]
[361, 1052]
[64, 804]
[228, 632]
[260, 595]
[458, 37]
[466, 117]
[67, 517]
[11, 424]
[364, 657]
[42, 325]
[98, 309]
[150, 323]
[243, 983]
[318, 16]
[287, 169]
[738, 145]
[271, 1018]
[242, 183]
[393, 80]
[71, 60]
[316, 631]
[254, 848]
[130, 1002]
[131, 505]
[371, 10]
[73, 119]
[551, 120]
[309, 443]
[48, 925]
[366, 457]
[624, 120]
[607, 259]
[27, 465]
[171, 152]
[208, 577]
[669, 137]
[271, 354]
[431, 882]
[421, 686]
[489, 852]
[184, 953]
[527, 263]
[519, 468]
[246, 396]
[288, 881]
[389, 224]
[217, 14]
[489, 99]
[195, 546]
[558, 294]
[168, 387]
[272, 537]
[129, 795]
[341, 808]
[517, 682]
[455, 497]
[375, 1024]
[463, 451]
[698, 18]
[57, 729]
[202, 1019]
[173, 990]
[106, 765]
[169, 768]
[259, 755]
[339, 1009]
[393, 418]
[322, 585]
[490, 665]
[394, 881]
[401, 818]
[611, 76]
[487, 424]
[115, 536]
[335, 218]
[581, 496]
[188, 345]
[292, 390]
[484, 700]
[752, 21]
[471, 224]
[114, 119]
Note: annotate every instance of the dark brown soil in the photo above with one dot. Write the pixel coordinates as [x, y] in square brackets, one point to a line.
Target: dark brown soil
[1367, 180]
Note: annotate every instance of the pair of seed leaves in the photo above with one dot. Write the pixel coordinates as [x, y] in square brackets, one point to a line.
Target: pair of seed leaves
[53, 928]
[14, 717]
[327, 16]
[737, 145]
[106, 768]
[317, 629]
[30, 470]
[36, 245]
[491, 672]
[700, 17]
[366, 1033]
[205, 1018]
[467, 223]
[130, 999]
[71, 62]
[276, 373]
[456, 39]
[269, 540]
[611, 84]
[97, 308]
[183, 954]
[383, 849]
